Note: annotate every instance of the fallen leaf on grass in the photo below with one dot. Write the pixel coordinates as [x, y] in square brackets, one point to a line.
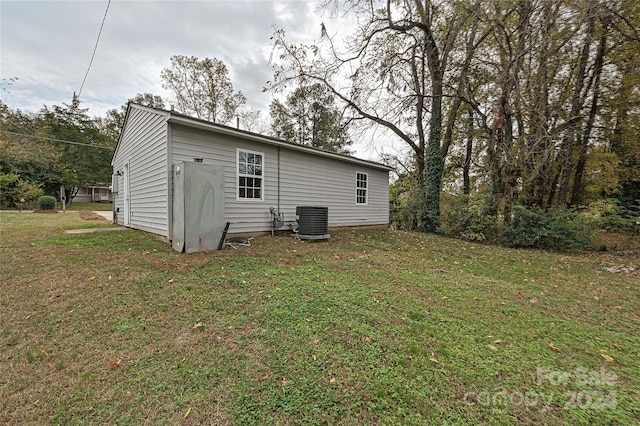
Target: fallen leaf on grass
[493, 348]
[635, 315]
[285, 380]
[554, 347]
[114, 365]
[187, 413]
[197, 325]
[607, 358]
[368, 339]
[91, 278]
[497, 341]
[434, 360]
[332, 380]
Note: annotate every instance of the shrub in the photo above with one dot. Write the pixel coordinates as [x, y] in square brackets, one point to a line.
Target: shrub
[465, 217]
[29, 192]
[46, 202]
[13, 189]
[405, 203]
[610, 215]
[8, 190]
[558, 229]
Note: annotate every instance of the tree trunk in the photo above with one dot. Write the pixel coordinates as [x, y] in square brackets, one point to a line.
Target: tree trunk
[466, 180]
[554, 187]
[576, 193]
[434, 161]
[569, 138]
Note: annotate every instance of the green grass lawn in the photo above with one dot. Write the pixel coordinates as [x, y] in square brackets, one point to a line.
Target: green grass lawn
[87, 206]
[371, 327]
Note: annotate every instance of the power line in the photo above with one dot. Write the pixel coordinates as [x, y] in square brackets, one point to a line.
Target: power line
[57, 140]
[94, 49]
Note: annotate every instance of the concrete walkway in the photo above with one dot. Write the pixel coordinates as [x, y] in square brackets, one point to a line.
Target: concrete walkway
[90, 230]
[107, 215]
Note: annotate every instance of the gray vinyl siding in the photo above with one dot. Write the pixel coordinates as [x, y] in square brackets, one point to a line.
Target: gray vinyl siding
[305, 179]
[217, 149]
[308, 180]
[144, 146]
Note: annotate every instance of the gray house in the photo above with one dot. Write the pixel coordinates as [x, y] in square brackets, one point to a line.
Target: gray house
[175, 175]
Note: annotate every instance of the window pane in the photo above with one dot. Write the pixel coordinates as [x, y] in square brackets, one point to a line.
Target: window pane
[250, 172]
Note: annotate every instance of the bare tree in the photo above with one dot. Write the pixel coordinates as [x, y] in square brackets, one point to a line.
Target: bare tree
[391, 74]
[202, 88]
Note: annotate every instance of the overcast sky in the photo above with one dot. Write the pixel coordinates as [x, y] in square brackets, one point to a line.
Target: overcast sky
[48, 45]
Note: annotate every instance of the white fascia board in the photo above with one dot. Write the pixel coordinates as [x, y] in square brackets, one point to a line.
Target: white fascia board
[225, 130]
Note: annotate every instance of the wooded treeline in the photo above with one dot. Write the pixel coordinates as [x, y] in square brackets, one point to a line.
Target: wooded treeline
[59, 146]
[527, 102]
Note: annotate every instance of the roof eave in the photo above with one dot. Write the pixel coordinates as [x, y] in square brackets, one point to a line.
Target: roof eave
[200, 124]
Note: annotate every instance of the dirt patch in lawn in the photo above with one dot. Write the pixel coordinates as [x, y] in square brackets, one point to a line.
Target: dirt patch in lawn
[89, 215]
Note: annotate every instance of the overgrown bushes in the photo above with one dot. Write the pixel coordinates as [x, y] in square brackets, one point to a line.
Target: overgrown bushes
[46, 202]
[557, 229]
[13, 189]
[466, 217]
[610, 215]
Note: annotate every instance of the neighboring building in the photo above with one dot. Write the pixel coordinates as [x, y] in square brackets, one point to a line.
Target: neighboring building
[93, 194]
[253, 173]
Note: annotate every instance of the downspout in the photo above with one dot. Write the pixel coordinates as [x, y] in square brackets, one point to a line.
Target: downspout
[169, 184]
[279, 180]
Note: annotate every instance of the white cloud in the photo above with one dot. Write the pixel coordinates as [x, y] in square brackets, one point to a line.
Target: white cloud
[48, 45]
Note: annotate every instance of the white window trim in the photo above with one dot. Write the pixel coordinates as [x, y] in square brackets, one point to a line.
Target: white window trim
[249, 200]
[366, 190]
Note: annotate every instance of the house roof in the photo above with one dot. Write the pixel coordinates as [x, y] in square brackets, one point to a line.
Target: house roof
[185, 120]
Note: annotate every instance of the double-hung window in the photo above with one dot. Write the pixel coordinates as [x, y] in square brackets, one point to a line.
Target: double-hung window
[250, 173]
[361, 188]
